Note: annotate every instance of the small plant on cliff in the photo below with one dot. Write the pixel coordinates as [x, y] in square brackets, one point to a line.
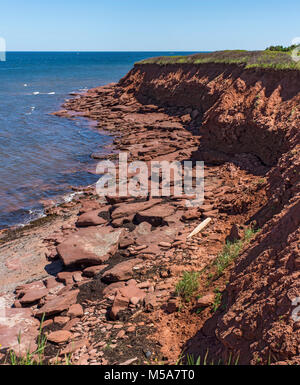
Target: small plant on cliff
[190, 360]
[187, 286]
[231, 251]
[218, 300]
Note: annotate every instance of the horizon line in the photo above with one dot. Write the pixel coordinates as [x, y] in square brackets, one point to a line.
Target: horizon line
[108, 51]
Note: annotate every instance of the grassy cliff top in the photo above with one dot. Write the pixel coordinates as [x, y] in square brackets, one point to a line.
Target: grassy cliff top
[248, 59]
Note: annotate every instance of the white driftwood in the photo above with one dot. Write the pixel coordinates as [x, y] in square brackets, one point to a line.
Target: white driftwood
[200, 227]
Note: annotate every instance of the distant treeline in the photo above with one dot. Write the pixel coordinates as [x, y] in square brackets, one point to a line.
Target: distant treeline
[281, 48]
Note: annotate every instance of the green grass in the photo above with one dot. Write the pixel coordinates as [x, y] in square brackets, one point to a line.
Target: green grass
[231, 251]
[191, 361]
[218, 300]
[276, 60]
[187, 286]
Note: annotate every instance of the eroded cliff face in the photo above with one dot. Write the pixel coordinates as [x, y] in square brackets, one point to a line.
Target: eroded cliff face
[238, 111]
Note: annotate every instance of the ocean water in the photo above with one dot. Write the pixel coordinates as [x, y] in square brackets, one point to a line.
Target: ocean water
[42, 156]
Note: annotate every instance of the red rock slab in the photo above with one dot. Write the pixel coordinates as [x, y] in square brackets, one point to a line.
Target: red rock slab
[143, 235]
[121, 272]
[148, 118]
[190, 214]
[129, 209]
[124, 295]
[90, 218]
[73, 346]
[113, 200]
[155, 215]
[89, 205]
[120, 303]
[66, 277]
[33, 295]
[28, 287]
[90, 246]
[166, 126]
[58, 304]
[51, 283]
[126, 242]
[75, 311]
[59, 337]
[112, 289]
[18, 324]
[132, 291]
[61, 320]
[71, 324]
[93, 270]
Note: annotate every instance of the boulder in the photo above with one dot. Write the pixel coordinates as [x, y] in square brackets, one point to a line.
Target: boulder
[90, 246]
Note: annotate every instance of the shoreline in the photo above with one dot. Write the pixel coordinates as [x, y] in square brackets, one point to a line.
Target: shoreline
[5, 233]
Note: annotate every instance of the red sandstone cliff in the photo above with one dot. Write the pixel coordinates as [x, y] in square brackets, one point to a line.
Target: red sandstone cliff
[246, 111]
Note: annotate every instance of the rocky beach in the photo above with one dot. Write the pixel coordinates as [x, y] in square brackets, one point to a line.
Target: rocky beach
[100, 275]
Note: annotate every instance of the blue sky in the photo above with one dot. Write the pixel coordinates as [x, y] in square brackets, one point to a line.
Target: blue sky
[132, 25]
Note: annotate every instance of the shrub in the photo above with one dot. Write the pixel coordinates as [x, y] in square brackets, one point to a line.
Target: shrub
[187, 285]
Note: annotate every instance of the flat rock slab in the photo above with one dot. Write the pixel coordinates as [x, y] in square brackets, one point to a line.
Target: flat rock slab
[93, 270]
[155, 215]
[33, 296]
[121, 272]
[129, 292]
[90, 246]
[144, 235]
[90, 218]
[73, 346]
[18, 330]
[128, 209]
[58, 304]
[59, 337]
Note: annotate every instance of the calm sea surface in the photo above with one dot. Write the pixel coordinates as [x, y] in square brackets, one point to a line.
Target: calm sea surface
[41, 155]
